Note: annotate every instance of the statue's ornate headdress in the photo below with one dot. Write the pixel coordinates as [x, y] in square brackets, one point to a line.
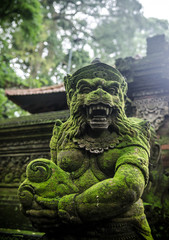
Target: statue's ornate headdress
[96, 69]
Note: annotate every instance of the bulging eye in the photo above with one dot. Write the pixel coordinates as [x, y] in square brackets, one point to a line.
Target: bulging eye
[113, 91]
[85, 90]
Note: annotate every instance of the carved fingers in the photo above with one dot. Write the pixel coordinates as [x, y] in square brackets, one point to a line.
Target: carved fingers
[44, 219]
[49, 203]
[42, 213]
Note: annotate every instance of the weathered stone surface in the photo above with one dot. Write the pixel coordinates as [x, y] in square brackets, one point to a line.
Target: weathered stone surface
[92, 187]
[21, 140]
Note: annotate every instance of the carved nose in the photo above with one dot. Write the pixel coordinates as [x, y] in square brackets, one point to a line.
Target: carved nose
[100, 92]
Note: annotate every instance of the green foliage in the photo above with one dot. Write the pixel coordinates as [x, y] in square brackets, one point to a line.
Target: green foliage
[9, 109]
[8, 77]
[157, 204]
[36, 37]
[26, 15]
[20, 22]
[124, 31]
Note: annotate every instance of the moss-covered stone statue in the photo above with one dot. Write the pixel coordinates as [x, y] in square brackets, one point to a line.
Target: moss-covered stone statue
[92, 186]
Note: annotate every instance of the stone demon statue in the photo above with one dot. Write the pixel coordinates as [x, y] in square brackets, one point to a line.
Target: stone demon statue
[92, 186]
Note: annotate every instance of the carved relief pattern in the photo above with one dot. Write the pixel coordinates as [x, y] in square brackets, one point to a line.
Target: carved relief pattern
[24, 143]
[152, 109]
[15, 156]
[13, 168]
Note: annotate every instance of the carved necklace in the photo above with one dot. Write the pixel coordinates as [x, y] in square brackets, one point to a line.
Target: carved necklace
[100, 144]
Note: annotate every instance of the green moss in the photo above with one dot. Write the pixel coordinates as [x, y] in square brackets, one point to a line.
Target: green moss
[94, 189]
[101, 70]
[45, 179]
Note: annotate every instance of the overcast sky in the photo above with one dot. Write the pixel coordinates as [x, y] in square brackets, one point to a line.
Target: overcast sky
[156, 8]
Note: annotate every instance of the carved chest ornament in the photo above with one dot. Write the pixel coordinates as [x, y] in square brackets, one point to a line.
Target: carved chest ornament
[100, 144]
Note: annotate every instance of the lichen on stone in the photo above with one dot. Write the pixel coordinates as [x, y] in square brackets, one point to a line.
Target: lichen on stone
[99, 161]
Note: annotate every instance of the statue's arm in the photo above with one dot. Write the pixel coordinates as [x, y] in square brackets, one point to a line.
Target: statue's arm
[112, 196]
[105, 199]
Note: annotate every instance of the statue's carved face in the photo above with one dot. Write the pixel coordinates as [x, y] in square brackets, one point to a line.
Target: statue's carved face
[99, 100]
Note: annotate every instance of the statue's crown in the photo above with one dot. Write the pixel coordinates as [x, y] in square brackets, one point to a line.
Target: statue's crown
[96, 69]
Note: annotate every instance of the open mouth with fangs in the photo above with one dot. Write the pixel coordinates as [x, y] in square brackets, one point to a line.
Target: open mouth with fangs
[98, 115]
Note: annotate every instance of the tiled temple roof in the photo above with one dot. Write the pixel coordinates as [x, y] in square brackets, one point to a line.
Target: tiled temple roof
[31, 91]
[33, 119]
[39, 100]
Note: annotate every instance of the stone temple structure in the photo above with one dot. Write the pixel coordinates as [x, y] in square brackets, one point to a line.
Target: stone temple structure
[26, 138]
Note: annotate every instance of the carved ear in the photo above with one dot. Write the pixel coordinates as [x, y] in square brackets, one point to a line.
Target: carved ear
[124, 87]
[69, 96]
[67, 80]
[69, 90]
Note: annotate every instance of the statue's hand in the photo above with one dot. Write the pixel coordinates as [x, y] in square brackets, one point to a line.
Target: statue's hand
[44, 213]
[49, 213]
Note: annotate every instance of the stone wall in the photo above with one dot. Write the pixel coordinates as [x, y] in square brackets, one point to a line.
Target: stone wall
[21, 140]
[148, 88]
